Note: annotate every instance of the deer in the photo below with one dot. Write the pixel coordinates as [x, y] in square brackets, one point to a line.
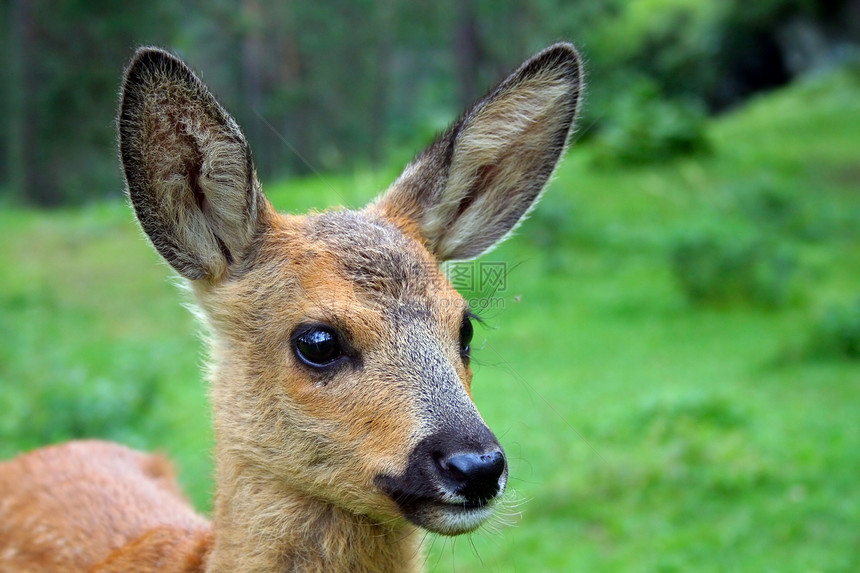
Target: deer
[339, 352]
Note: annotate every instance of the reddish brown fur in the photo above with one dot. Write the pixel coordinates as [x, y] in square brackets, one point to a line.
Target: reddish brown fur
[46, 526]
[318, 468]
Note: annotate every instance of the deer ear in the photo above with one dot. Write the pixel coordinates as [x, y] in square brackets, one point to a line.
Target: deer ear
[187, 166]
[469, 190]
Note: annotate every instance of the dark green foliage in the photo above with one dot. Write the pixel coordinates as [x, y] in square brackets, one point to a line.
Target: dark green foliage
[753, 257]
[723, 269]
[336, 85]
[62, 77]
[835, 333]
[780, 209]
[768, 204]
[643, 127]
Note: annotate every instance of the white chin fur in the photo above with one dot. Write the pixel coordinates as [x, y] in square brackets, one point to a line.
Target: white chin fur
[455, 519]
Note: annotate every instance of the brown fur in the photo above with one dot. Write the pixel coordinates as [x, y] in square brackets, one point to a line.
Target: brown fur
[64, 508]
[318, 468]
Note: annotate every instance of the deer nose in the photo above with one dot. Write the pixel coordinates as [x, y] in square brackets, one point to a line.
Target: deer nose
[474, 476]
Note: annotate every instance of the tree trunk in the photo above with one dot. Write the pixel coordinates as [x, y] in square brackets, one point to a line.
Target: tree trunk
[252, 84]
[467, 51]
[382, 86]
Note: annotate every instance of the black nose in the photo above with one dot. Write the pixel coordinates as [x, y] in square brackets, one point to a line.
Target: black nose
[474, 476]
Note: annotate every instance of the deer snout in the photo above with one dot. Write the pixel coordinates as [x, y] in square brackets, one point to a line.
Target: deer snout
[474, 476]
[451, 480]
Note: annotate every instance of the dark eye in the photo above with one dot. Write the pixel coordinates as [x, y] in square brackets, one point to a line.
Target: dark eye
[466, 332]
[318, 346]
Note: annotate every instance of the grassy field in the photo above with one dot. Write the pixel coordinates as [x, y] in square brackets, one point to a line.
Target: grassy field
[674, 369]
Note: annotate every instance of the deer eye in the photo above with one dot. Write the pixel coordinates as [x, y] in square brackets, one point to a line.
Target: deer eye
[466, 332]
[317, 345]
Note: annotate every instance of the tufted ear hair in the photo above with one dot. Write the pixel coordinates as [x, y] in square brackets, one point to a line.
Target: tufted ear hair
[188, 168]
[467, 191]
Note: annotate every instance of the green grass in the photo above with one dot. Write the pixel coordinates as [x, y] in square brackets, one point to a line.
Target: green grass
[646, 431]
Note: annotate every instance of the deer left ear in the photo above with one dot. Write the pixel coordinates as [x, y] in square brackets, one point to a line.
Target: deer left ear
[467, 191]
[188, 168]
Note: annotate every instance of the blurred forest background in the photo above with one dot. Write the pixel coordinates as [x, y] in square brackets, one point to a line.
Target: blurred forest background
[364, 82]
[674, 365]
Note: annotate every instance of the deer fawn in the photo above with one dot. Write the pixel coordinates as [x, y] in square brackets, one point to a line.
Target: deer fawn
[339, 351]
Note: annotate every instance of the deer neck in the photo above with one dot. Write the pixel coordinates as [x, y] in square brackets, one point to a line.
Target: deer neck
[262, 525]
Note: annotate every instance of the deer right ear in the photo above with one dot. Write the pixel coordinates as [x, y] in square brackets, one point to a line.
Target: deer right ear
[187, 166]
[467, 191]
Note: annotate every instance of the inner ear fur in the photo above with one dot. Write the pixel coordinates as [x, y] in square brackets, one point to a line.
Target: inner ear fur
[188, 167]
[468, 190]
